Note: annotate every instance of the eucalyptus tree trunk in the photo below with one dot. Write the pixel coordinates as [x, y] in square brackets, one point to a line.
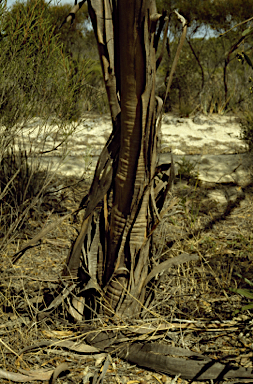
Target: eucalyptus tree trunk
[112, 251]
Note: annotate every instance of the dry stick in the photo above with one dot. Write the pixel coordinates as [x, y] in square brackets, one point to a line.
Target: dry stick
[7, 185]
[235, 26]
[9, 348]
[175, 61]
[38, 237]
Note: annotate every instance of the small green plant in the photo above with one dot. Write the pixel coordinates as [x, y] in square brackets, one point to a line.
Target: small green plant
[186, 171]
[247, 129]
[248, 293]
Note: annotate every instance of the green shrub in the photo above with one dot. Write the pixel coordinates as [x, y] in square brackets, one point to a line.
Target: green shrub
[187, 171]
[37, 76]
[30, 54]
[247, 293]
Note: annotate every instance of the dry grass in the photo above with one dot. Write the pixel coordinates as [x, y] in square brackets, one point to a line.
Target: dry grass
[223, 242]
[192, 303]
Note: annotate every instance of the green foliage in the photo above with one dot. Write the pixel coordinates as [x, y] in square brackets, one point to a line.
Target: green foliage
[220, 15]
[208, 77]
[248, 293]
[39, 75]
[186, 171]
[29, 55]
[243, 57]
[78, 38]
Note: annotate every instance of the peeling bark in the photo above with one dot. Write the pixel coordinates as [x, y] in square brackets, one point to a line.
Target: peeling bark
[126, 168]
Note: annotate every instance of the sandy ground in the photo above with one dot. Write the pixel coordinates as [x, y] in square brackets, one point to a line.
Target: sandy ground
[212, 143]
[202, 135]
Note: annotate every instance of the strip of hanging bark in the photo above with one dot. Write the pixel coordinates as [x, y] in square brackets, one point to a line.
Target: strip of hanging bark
[73, 259]
[155, 356]
[31, 243]
[163, 187]
[194, 367]
[163, 18]
[39, 374]
[180, 259]
[100, 186]
[56, 302]
[165, 32]
[72, 14]
[102, 178]
[58, 370]
[161, 214]
[30, 376]
[161, 358]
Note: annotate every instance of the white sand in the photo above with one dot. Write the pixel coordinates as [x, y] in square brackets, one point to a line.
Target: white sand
[212, 142]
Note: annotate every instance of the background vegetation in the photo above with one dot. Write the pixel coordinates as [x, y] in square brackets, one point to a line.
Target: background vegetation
[209, 76]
